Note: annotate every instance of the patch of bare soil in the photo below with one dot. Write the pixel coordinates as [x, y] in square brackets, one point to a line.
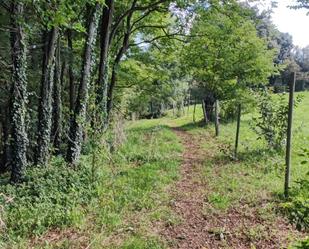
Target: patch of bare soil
[238, 228]
[58, 237]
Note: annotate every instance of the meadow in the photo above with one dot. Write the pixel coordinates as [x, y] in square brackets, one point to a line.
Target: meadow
[129, 202]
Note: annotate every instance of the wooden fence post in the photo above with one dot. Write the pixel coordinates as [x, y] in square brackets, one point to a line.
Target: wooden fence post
[237, 130]
[204, 112]
[194, 109]
[217, 118]
[289, 136]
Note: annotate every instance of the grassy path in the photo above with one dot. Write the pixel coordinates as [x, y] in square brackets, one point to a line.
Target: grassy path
[170, 184]
[211, 201]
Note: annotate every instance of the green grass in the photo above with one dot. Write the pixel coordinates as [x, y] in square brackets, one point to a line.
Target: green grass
[116, 211]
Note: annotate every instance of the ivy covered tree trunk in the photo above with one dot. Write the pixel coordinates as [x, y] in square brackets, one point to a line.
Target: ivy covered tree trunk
[79, 118]
[102, 86]
[71, 72]
[18, 94]
[57, 103]
[6, 150]
[2, 163]
[45, 103]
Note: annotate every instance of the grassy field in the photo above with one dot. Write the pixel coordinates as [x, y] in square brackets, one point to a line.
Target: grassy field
[264, 169]
[253, 151]
[256, 179]
[130, 199]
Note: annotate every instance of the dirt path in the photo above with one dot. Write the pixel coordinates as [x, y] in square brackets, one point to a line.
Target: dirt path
[229, 230]
[188, 198]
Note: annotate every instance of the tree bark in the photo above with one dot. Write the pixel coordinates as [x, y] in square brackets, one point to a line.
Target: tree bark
[102, 83]
[209, 107]
[204, 112]
[6, 150]
[121, 52]
[45, 104]
[112, 85]
[57, 102]
[19, 94]
[79, 118]
[71, 73]
[2, 163]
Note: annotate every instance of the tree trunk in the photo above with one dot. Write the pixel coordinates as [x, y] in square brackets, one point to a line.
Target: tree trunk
[57, 102]
[2, 163]
[102, 84]
[121, 52]
[45, 104]
[209, 107]
[204, 112]
[71, 73]
[19, 94]
[76, 126]
[110, 93]
[6, 150]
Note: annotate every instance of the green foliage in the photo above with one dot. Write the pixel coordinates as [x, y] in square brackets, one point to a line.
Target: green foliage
[155, 81]
[63, 13]
[49, 197]
[229, 110]
[304, 244]
[225, 53]
[297, 207]
[271, 124]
